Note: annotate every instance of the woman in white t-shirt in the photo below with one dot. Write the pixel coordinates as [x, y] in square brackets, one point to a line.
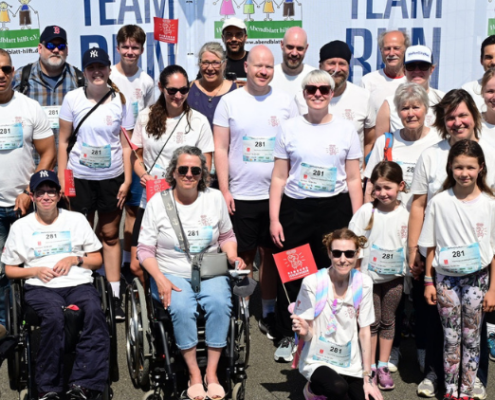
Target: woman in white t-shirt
[459, 235]
[98, 156]
[488, 116]
[334, 353]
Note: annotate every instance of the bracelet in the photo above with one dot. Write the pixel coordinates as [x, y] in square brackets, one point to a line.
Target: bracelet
[428, 278]
[429, 284]
[26, 192]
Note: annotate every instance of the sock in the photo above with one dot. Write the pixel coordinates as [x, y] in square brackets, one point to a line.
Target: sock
[382, 364]
[490, 328]
[373, 366]
[268, 306]
[246, 302]
[115, 289]
[126, 257]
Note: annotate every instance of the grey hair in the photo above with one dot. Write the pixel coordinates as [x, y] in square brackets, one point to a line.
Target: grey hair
[192, 151]
[410, 91]
[318, 76]
[381, 39]
[212, 47]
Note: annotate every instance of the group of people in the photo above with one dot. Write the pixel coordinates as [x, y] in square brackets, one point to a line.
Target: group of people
[391, 184]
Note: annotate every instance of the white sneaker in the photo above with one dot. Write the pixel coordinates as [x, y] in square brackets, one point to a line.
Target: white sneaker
[285, 350]
[427, 388]
[422, 360]
[479, 391]
[393, 361]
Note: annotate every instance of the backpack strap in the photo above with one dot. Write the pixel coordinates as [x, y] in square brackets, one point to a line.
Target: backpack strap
[24, 84]
[79, 77]
[387, 150]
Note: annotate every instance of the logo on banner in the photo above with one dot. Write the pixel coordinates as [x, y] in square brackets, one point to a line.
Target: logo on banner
[18, 29]
[166, 30]
[295, 264]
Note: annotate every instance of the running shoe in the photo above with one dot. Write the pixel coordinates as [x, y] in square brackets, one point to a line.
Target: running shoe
[427, 388]
[267, 326]
[286, 349]
[49, 396]
[479, 391]
[393, 361]
[385, 380]
[77, 392]
[309, 395]
[491, 345]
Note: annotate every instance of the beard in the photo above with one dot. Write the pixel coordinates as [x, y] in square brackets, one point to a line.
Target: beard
[292, 63]
[53, 62]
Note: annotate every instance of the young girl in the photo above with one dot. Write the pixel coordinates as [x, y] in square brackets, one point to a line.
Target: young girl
[459, 234]
[384, 223]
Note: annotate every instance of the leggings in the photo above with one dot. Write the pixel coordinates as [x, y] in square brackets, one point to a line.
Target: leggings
[386, 299]
[326, 382]
[460, 305]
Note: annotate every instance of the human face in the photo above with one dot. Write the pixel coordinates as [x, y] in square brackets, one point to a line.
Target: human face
[175, 101]
[188, 181]
[420, 77]
[259, 69]
[294, 49]
[338, 68]
[343, 265]
[460, 123]
[489, 95]
[465, 170]
[5, 79]
[412, 114]
[210, 72]
[317, 101]
[96, 74]
[130, 51]
[53, 59]
[386, 191]
[234, 39]
[44, 199]
[393, 49]
[488, 59]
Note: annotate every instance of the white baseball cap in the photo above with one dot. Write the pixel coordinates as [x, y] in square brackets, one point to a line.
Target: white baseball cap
[418, 53]
[238, 23]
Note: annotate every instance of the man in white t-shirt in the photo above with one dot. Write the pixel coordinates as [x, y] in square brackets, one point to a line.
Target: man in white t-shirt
[245, 125]
[138, 89]
[385, 81]
[487, 61]
[24, 126]
[289, 74]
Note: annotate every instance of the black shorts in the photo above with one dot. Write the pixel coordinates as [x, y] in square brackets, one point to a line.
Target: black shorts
[98, 196]
[137, 227]
[251, 222]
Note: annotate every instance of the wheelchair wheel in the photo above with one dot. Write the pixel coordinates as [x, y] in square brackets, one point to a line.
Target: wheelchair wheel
[136, 331]
[243, 340]
[239, 391]
[151, 395]
[15, 363]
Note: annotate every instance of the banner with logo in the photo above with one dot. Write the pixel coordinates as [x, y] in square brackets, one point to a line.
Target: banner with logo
[295, 264]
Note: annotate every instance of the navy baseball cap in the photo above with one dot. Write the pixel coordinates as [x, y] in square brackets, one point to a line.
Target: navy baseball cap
[53, 32]
[43, 176]
[95, 55]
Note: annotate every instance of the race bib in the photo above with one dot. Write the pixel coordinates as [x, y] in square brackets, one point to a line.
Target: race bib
[460, 259]
[199, 239]
[386, 262]
[158, 172]
[258, 149]
[135, 109]
[331, 353]
[11, 136]
[49, 243]
[52, 113]
[96, 156]
[407, 172]
[317, 179]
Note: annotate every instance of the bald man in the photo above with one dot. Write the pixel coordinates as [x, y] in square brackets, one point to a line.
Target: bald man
[289, 74]
[245, 124]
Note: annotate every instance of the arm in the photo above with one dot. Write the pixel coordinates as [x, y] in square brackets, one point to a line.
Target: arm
[221, 136]
[302, 327]
[383, 120]
[416, 218]
[430, 291]
[126, 153]
[165, 287]
[230, 248]
[369, 141]
[208, 157]
[91, 261]
[365, 342]
[354, 184]
[489, 300]
[368, 193]
[279, 178]
[63, 139]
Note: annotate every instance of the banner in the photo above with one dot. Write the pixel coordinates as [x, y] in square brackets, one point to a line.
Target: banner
[295, 264]
[166, 30]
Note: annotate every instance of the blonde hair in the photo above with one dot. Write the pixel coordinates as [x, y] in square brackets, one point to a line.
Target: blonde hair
[344, 234]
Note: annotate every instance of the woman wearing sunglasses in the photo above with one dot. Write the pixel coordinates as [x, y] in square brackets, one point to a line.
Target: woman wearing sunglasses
[168, 124]
[316, 183]
[419, 66]
[203, 214]
[332, 317]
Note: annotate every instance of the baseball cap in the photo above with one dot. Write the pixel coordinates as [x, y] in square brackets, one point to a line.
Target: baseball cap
[53, 32]
[95, 55]
[42, 176]
[418, 53]
[238, 23]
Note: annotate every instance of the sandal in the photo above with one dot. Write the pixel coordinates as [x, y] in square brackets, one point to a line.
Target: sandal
[214, 391]
[196, 392]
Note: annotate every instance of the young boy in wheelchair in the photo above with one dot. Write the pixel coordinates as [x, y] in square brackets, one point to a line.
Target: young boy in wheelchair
[55, 251]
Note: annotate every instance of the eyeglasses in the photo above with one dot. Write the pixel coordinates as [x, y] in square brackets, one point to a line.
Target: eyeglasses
[173, 91]
[422, 66]
[312, 89]
[7, 69]
[347, 253]
[231, 35]
[52, 46]
[40, 193]
[183, 170]
[214, 64]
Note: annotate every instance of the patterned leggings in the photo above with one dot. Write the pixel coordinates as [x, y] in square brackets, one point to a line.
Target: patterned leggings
[460, 305]
[386, 299]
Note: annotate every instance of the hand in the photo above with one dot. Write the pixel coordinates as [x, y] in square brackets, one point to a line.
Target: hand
[299, 325]
[241, 264]
[277, 233]
[431, 295]
[45, 274]
[416, 265]
[64, 265]
[145, 178]
[489, 301]
[230, 202]
[22, 202]
[371, 390]
[165, 288]
[121, 196]
[61, 180]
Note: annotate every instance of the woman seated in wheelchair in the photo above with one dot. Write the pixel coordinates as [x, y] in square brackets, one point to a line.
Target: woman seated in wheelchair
[200, 214]
[54, 250]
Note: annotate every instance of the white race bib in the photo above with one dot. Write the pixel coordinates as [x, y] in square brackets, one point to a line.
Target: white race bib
[317, 179]
[135, 109]
[460, 259]
[331, 353]
[52, 113]
[158, 172]
[96, 156]
[49, 243]
[386, 262]
[11, 136]
[258, 149]
[199, 238]
[407, 172]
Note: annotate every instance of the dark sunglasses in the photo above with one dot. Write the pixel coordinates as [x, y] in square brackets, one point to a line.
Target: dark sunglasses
[347, 253]
[173, 91]
[40, 193]
[52, 46]
[422, 66]
[312, 89]
[183, 170]
[7, 69]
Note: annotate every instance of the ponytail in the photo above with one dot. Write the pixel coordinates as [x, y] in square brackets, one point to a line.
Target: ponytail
[116, 90]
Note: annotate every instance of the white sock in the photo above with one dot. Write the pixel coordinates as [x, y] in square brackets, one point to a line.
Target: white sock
[490, 328]
[115, 289]
[246, 302]
[126, 257]
[268, 306]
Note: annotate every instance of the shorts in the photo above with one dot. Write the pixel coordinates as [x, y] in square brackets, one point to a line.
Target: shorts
[288, 10]
[135, 192]
[137, 227]
[98, 196]
[251, 222]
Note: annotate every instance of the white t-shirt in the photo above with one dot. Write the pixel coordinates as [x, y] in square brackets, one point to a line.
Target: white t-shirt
[488, 132]
[203, 221]
[404, 153]
[347, 324]
[474, 89]
[22, 120]
[385, 256]
[380, 87]
[139, 89]
[291, 84]
[97, 154]
[451, 225]
[254, 122]
[197, 134]
[317, 156]
[36, 245]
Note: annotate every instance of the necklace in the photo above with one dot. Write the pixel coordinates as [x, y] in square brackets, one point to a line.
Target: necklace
[211, 97]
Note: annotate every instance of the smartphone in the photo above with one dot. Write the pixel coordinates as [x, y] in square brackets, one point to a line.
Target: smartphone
[196, 278]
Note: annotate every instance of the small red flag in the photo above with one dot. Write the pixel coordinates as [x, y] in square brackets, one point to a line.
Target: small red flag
[155, 186]
[166, 30]
[295, 264]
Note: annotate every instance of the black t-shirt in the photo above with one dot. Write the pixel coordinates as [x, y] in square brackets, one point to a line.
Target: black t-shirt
[237, 66]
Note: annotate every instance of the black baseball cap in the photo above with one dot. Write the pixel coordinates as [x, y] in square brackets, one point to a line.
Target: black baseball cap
[95, 55]
[53, 32]
[43, 176]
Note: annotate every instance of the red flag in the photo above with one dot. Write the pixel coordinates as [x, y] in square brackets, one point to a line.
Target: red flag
[295, 264]
[70, 185]
[132, 145]
[155, 186]
[166, 30]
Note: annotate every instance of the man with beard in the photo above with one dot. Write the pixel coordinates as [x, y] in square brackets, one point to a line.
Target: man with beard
[48, 80]
[289, 75]
[234, 35]
[384, 82]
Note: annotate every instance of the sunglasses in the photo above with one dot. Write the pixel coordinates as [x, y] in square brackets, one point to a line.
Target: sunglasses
[183, 170]
[347, 253]
[7, 69]
[40, 193]
[52, 46]
[312, 89]
[422, 66]
[173, 91]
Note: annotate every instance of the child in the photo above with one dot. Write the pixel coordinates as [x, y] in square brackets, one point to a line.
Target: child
[384, 224]
[459, 234]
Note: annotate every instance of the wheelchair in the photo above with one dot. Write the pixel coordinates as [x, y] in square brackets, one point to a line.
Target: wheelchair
[155, 363]
[24, 324]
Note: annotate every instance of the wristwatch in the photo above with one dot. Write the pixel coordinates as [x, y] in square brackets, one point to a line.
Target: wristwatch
[79, 261]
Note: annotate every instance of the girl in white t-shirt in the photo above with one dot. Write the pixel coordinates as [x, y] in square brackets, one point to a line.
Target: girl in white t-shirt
[488, 116]
[459, 234]
[384, 223]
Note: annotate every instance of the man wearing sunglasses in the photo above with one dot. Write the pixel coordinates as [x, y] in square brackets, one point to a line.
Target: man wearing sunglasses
[51, 78]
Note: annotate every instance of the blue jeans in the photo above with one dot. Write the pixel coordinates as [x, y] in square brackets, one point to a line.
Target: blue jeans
[214, 298]
[7, 218]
